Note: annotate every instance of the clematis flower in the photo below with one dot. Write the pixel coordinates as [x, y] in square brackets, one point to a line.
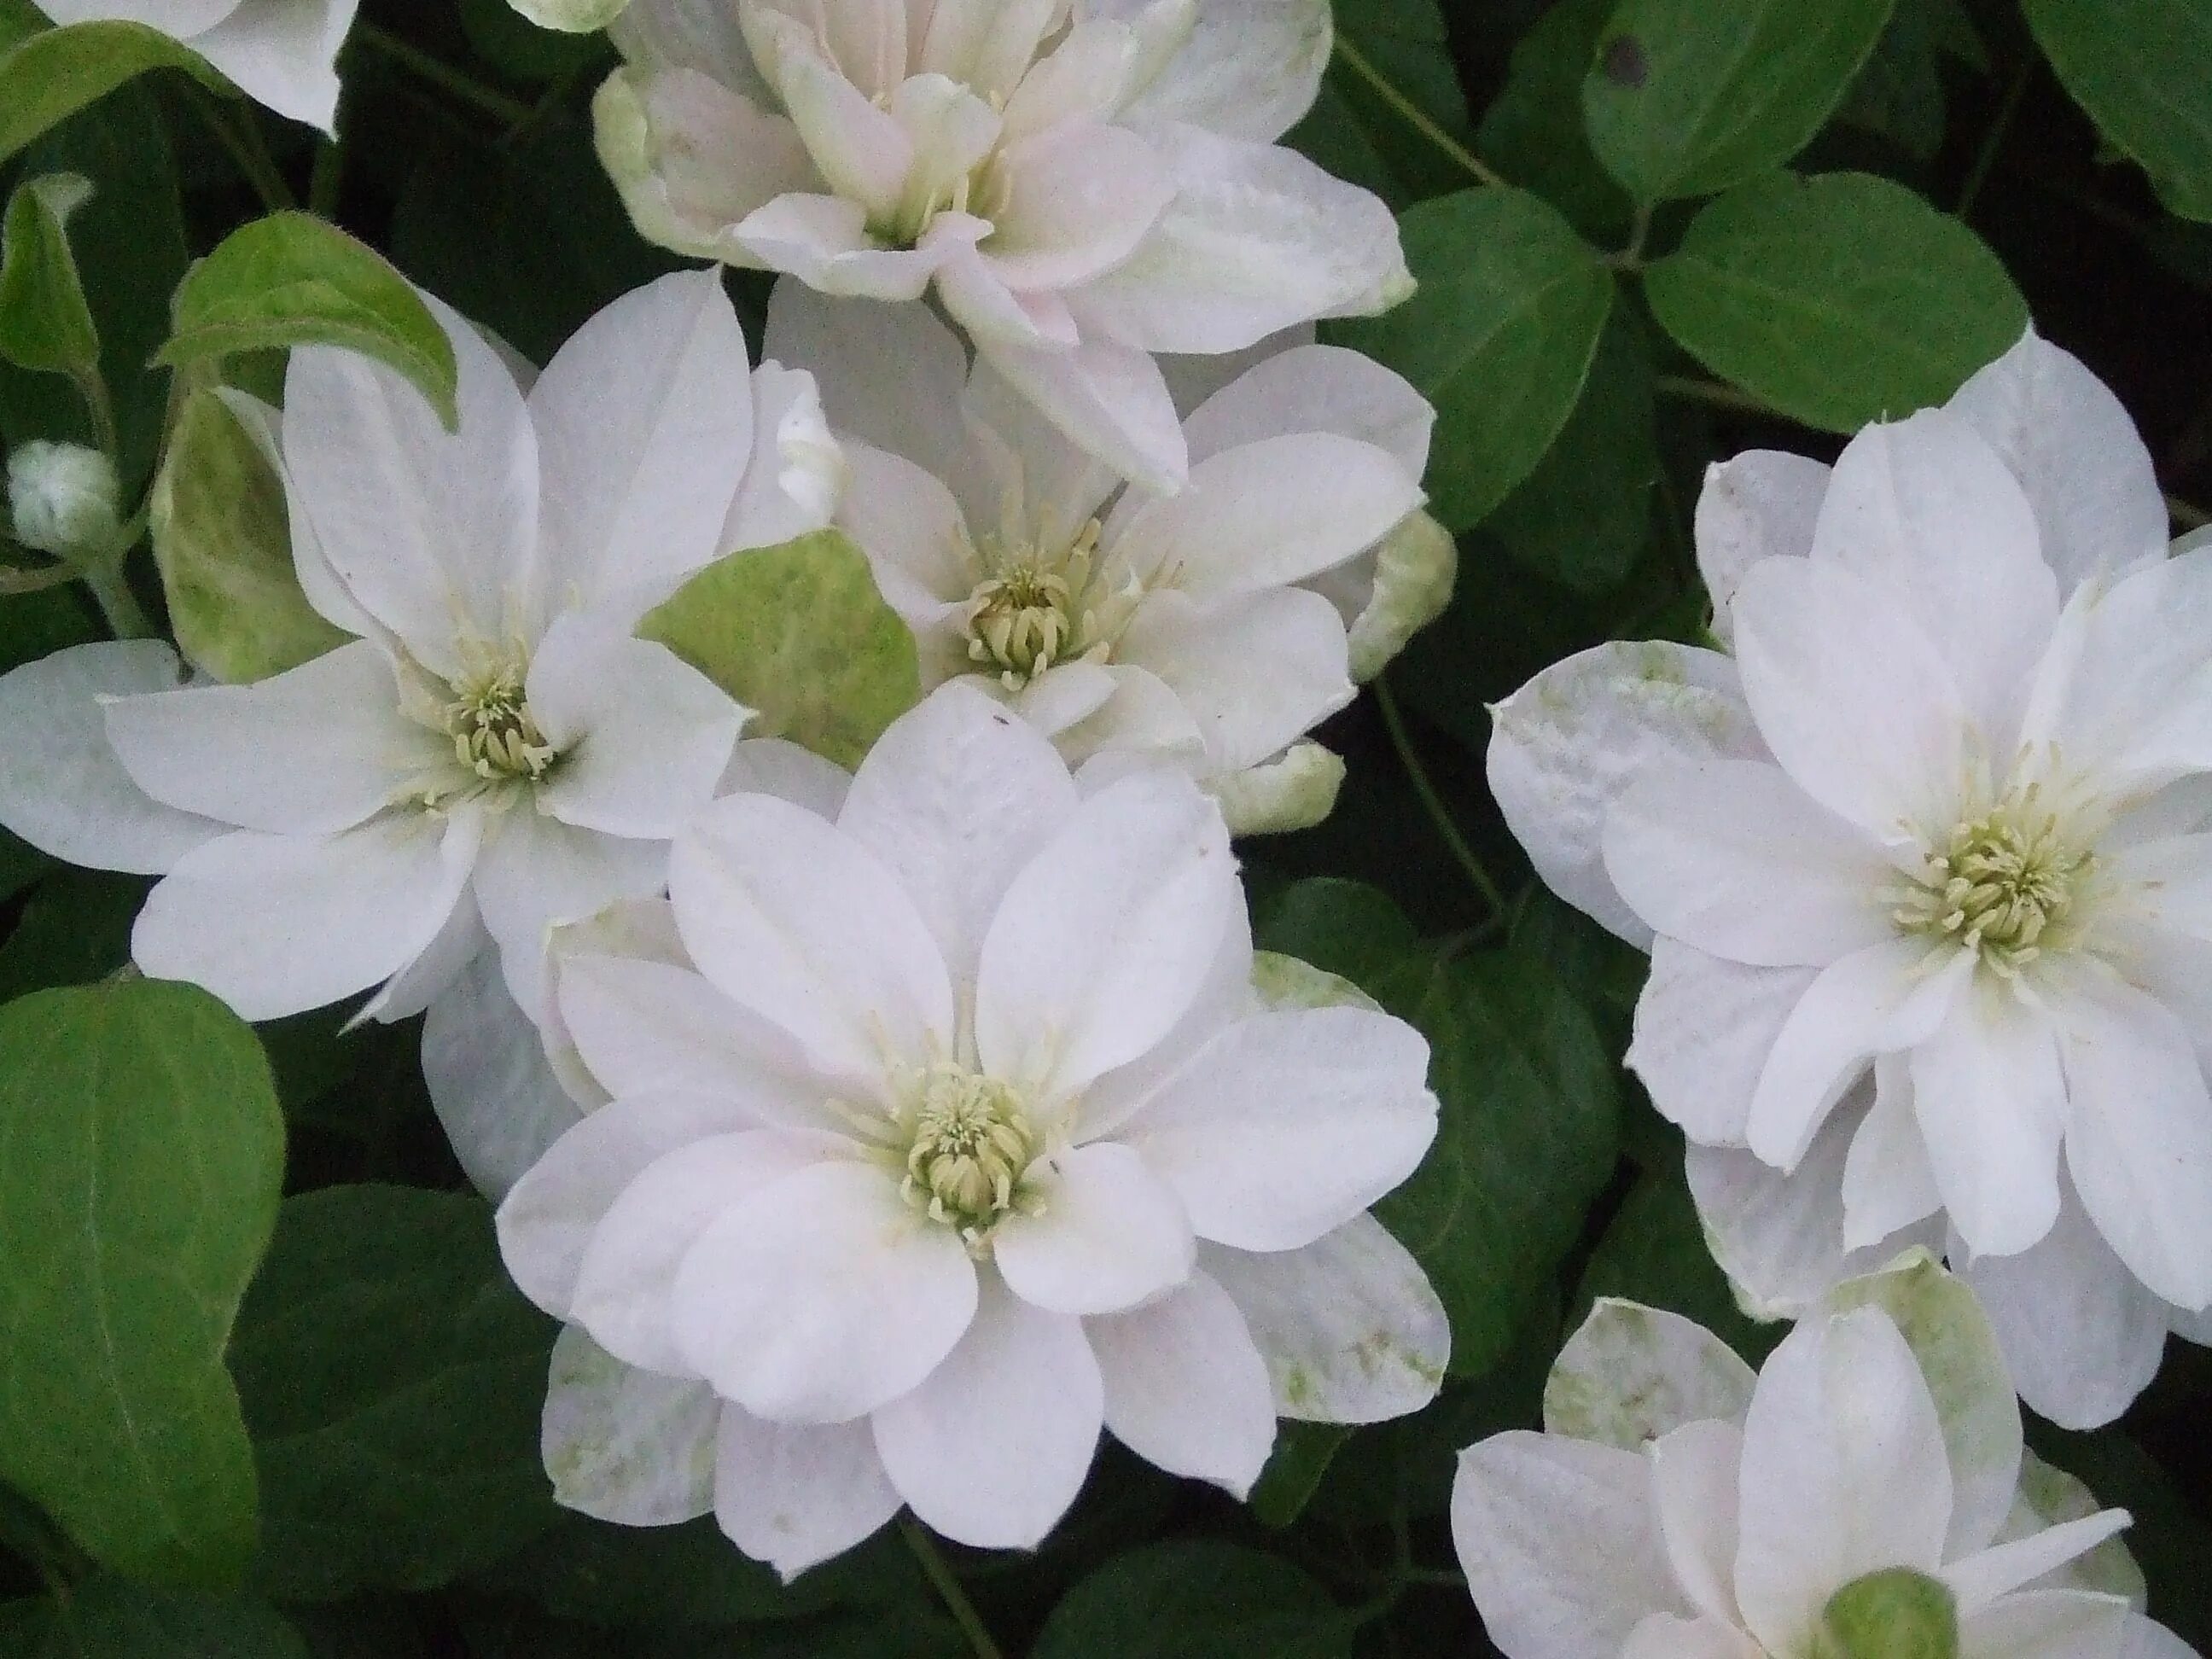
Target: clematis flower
[1079, 185]
[967, 1136]
[1865, 1494]
[493, 752]
[283, 53]
[1923, 868]
[1209, 626]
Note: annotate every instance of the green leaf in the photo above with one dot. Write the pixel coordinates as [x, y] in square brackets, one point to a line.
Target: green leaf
[1527, 1139]
[1582, 516]
[140, 1163]
[1533, 132]
[1839, 299]
[292, 279]
[108, 1619]
[1344, 927]
[1688, 97]
[393, 1379]
[1302, 1454]
[1355, 134]
[1498, 339]
[75, 928]
[46, 323]
[48, 76]
[222, 539]
[2144, 70]
[1197, 1598]
[798, 633]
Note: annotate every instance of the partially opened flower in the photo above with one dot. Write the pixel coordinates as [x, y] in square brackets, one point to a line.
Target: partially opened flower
[1923, 868]
[1208, 627]
[492, 752]
[968, 1136]
[283, 53]
[1862, 1497]
[1078, 184]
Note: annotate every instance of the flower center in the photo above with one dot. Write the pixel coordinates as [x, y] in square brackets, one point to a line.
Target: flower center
[1032, 611]
[2007, 884]
[969, 1145]
[493, 735]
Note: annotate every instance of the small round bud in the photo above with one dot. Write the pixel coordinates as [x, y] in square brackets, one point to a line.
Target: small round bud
[63, 498]
[1895, 1614]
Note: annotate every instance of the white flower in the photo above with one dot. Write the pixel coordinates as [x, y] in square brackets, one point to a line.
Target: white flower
[1845, 1503]
[494, 752]
[1923, 868]
[62, 499]
[968, 1135]
[1080, 183]
[1118, 621]
[283, 53]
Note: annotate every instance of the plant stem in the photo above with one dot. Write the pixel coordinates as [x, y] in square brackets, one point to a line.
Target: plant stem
[100, 409]
[13, 580]
[246, 149]
[509, 112]
[948, 1589]
[1639, 231]
[1394, 723]
[1690, 389]
[1414, 115]
[2186, 515]
[1986, 158]
[127, 618]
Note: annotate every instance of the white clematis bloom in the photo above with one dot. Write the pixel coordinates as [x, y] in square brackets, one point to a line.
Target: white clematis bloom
[1079, 184]
[283, 53]
[1209, 626]
[967, 1136]
[1923, 867]
[494, 752]
[1864, 1495]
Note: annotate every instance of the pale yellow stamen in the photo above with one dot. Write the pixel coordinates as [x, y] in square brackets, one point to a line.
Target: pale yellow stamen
[2006, 884]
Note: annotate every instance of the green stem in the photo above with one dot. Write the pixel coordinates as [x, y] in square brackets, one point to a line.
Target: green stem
[127, 618]
[1412, 114]
[2187, 515]
[948, 1589]
[34, 582]
[1689, 389]
[1639, 231]
[1395, 722]
[1993, 141]
[247, 149]
[323, 180]
[509, 112]
[100, 409]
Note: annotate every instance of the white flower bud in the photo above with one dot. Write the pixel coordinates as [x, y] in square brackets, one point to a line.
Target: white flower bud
[62, 497]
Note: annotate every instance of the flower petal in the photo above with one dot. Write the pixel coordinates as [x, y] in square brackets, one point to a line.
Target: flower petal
[1632, 1374]
[1694, 1490]
[1760, 504]
[693, 159]
[2053, 1624]
[794, 1495]
[282, 55]
[536, 873]
[1256, 671]
[1995, 1108]
[824, 241]
[1186, 1391]
[1316, 388]
[624, 1444]
[1249, 69]
[1078, 197]
[497, 1098]
[1888, 1183]
[1703, 1029]
[1106, 1235]
[1110, 400]
[1979, 1580]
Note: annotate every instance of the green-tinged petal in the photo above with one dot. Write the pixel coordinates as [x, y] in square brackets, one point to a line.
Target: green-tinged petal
[1295, 791]
[1415, 568]
[1284, 981]
[1633, 1373]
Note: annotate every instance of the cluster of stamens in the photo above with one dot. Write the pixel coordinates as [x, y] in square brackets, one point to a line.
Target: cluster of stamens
[2004, 884]
[494, 734]
[1032, 612]
[969, 1144]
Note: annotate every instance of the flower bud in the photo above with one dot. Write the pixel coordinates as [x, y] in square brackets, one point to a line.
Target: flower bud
[63, 498]
[1896, 1613]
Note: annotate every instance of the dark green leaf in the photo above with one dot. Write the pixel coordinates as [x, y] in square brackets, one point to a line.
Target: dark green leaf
[108, 1619]
[1840, 300]
[1355, 133]
[503, 37]
[1533, 132]
[1301, 1456]
[1498, 339]
[292, 279]
[1688, 97]
[1528, 1137]
[1197, 1598]
[46, 77]
[1899, 93]
[46, 323]
[393, 1379]
[1343, 927]
[75, 928]
[798, 634]
[141, 1156]
[35, 625]
[2144, 70]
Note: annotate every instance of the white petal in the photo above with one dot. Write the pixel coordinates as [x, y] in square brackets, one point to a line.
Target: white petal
[283, 53]
[1732, 857]
[1852, 696]
[793, 1495]
[2142, 1640]
[1106, 1234]
[823, 1297]
[625, 1445]
[986, 42]
[693, 159]
[497, 1098]
[1022, 473]
[1887, 1182]
[1981, 1579]
[2082, 1336]
[536, 873]
[1632, 1374]
[1102, 943]
[1078, 197]
[645, 423]
[644, 737]
[1694, 1471]
[955, 799]
[797, 468]
[1140, 722]
[798, 922]
[859, 147]
[1249, 69]
[1566, 746]
[310, 751]
[178, 18]
[1023, 1383]
[1559, 1544]
[1350, 1327]
[2054, 1624]
[1995, 1106]
[1925, 509]
[1316, 388]
[1186, 1389]
[1703, 1029]
[1256, 671]
[887, 373]
[774, 766]
[435, 968]
[63, 788]
[1289, 1124]
[909, 527]
[823, 241]
[2074, 450]
[432, 533]
[275, 925]
[1663, 1636]
[1874, 1001]
[2139, 1140]
[1760, 504]
[1844, 1472]
[1257, 238]
[1295, 791]
[1108, 398]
